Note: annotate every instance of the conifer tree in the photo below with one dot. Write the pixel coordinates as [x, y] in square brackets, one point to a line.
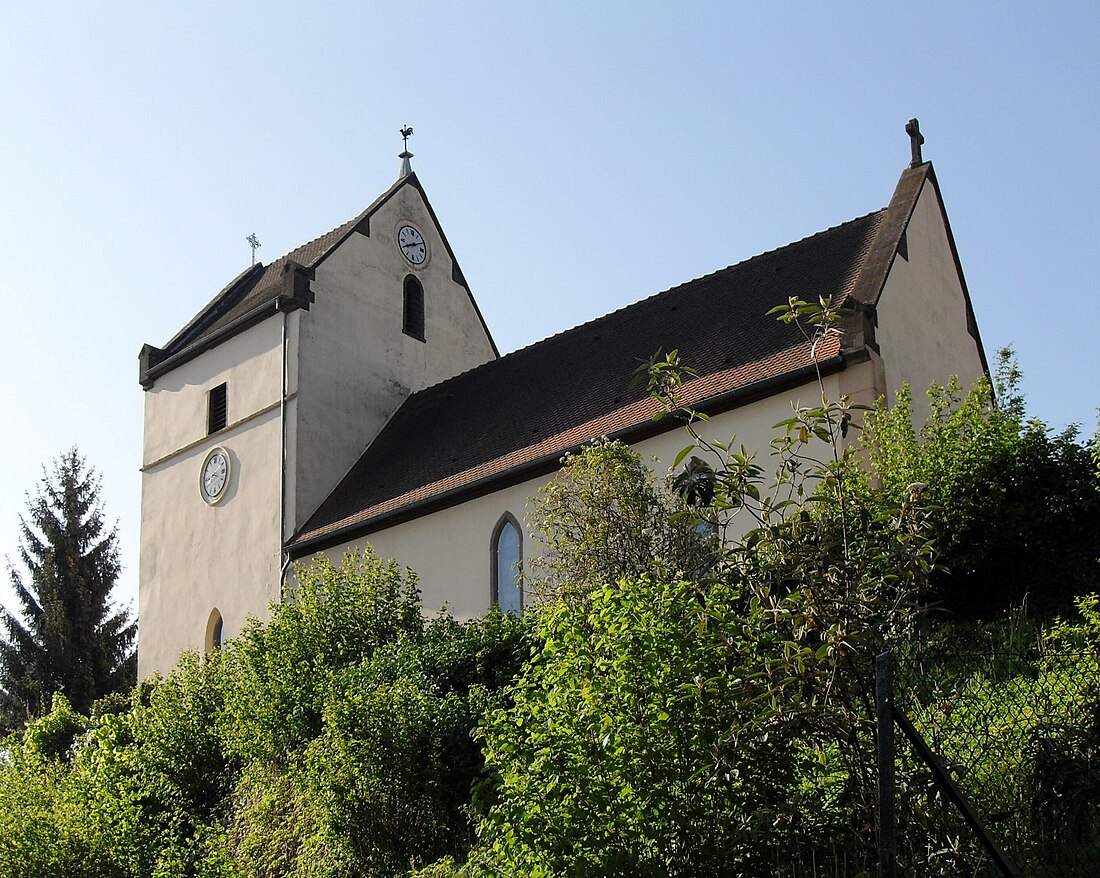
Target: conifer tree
[68, 638]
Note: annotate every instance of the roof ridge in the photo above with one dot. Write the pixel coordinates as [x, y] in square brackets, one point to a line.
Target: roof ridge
[698, 278]
[340, 228]
[347, 224]
[603, 317]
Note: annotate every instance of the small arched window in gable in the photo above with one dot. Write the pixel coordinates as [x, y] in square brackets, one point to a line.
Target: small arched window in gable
[507, 552]
[413, 320]
[214, 631]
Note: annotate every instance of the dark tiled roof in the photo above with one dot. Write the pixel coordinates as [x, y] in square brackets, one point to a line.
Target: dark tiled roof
[503, 419]
[253, 288]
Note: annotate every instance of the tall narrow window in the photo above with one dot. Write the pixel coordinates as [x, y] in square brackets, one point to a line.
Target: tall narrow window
[217, 411]
[414, 308]
[214, 631]
[507, 561]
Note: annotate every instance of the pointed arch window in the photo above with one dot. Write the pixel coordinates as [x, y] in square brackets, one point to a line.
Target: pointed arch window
[413, 310]
[507, 552]
[214, 631]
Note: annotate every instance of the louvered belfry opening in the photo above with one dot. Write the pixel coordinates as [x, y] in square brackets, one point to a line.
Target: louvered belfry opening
[218, 409]
[413, 323]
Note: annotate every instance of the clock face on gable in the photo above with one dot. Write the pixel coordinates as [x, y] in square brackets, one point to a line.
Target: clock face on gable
[214, 476]
[412, 244]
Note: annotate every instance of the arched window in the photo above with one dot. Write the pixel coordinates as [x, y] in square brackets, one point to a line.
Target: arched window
[214, 631]
[413, 322]
[507, 552]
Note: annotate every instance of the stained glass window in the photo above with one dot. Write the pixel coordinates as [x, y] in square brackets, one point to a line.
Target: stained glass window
[507, 551]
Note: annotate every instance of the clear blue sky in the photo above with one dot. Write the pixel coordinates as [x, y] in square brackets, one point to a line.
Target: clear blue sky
[580, 155]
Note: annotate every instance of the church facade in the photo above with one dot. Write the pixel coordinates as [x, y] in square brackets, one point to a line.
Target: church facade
[351, 393]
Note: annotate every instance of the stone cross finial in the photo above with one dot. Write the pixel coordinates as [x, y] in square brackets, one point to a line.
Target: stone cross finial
[916, 139]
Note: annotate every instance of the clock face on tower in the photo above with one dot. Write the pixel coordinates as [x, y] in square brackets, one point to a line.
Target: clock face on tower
[214, 476]
[412, 244]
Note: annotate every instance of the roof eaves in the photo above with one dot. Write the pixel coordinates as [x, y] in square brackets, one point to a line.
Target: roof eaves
[306, 542]
[231, 292]
[150, 373]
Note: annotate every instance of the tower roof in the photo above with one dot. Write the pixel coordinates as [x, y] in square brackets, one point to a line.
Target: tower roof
[262, 290]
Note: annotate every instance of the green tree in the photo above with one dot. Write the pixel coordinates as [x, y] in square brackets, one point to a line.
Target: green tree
[353, 716]
[713, 724]
[68, 637]
[608, 501]
[1018, 507]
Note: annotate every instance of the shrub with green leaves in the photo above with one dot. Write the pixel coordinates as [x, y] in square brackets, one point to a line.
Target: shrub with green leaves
[135, 790]
[281, 673]
[639, 737]
[604, 516]
[336, 740]
[1018, 508]
[715, 724]
[354, 716]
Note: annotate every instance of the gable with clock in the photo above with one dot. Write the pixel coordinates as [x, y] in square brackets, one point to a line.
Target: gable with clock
[265, 400]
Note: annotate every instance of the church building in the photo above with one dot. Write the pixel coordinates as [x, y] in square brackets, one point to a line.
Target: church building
[350, 392]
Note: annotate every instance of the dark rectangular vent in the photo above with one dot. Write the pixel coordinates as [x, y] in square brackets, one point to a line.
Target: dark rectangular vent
[218, 409]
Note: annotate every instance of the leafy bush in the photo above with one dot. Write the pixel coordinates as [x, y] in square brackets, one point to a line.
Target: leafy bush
[608, 501]
[637, 738]
[337, 740]
[712, 724]
[355, 717]
[129, 792]
[281, 673]
[1018, 509]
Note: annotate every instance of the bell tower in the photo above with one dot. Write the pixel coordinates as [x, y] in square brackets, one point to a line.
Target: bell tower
[261, 403]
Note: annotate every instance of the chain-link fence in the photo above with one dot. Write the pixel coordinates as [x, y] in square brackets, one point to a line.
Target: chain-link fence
[1019, 733]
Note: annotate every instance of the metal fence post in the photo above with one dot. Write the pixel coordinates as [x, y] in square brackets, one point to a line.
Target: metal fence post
[884, 758]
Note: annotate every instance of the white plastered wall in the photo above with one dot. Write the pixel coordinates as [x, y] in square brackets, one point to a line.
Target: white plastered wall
[196, 557]
[922, 326]
[356, 363]
[450, 550]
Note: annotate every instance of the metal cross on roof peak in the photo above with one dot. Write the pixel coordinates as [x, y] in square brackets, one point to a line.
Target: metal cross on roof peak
[916, 140]
[253, 242]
